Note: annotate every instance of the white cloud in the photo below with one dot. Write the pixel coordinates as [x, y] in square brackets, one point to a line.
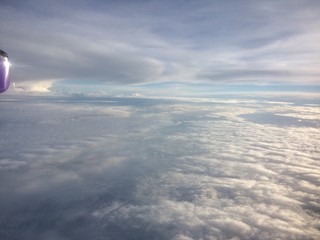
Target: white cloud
[33, 86]
[159, 168]
[11, 164]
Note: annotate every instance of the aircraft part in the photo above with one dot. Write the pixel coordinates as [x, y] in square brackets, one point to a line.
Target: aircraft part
[4, 71]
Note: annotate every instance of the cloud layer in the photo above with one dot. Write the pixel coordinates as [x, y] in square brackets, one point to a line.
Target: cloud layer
[146, 41]
[121, 168]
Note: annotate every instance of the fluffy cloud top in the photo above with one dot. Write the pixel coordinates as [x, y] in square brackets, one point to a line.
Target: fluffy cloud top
[121, 168]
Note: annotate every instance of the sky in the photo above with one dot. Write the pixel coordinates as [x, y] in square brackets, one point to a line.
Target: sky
[179, 120]
[99, 45]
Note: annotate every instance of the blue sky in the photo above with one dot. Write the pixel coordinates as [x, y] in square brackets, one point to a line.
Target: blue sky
[52, 44]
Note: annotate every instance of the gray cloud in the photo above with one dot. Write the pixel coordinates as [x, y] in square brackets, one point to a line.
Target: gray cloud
[69, 49]
[162, 41]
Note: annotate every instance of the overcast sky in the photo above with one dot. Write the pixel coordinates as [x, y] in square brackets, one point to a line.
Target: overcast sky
[129, 42]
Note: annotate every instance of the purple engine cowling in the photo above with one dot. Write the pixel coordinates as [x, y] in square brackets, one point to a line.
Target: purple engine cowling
[4, 71]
